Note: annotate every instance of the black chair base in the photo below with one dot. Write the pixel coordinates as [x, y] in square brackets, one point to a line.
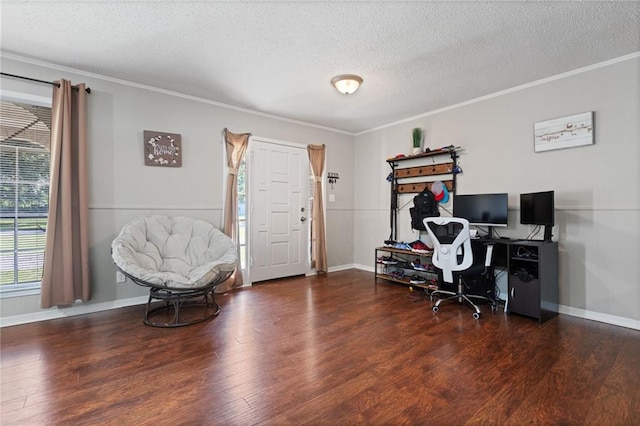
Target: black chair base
[461, 296]
[180, 308]
[181, 305]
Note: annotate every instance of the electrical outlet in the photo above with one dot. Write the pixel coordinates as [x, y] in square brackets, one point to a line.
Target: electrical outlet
[120, 278]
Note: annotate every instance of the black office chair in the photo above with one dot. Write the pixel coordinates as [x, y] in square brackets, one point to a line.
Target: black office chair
[452, 253]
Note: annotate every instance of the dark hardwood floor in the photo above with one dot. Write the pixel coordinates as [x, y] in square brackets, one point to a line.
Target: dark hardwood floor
[335, 350]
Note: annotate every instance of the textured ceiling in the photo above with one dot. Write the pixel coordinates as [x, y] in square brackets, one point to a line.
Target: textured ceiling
[278, 57]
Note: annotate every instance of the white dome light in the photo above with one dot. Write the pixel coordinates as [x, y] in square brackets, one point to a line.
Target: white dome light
[346, 83]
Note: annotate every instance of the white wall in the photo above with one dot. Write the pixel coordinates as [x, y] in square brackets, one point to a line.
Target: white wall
[597, 187]
[121, 187]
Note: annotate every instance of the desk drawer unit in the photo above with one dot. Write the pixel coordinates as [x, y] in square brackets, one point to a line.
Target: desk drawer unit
[533, 279]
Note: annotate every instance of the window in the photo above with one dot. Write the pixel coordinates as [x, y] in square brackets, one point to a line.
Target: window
[242, 213]
[25, 139]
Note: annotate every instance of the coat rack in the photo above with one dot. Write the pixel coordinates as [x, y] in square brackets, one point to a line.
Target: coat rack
[332, 177]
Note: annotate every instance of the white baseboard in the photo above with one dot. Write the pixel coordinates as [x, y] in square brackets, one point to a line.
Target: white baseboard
[364, 267]
[574, 312]
[600, 317]
[313, 272]
[341, 267]
[79, 309]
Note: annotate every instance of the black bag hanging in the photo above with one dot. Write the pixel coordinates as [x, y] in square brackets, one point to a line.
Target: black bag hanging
[424, 205]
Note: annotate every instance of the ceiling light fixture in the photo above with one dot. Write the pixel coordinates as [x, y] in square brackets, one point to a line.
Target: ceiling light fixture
[346, 83]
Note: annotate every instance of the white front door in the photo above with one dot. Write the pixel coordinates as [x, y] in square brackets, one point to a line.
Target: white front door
[278, 197]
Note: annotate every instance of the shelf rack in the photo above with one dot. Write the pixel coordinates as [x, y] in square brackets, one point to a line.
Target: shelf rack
[399, 173]
[432, 276]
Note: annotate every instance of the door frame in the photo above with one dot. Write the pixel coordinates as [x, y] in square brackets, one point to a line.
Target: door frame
[248, 189]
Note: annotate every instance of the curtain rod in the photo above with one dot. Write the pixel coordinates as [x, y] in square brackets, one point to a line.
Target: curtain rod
[88, 89]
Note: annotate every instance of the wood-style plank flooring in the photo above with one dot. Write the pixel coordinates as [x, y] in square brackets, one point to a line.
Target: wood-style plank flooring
[327, 350]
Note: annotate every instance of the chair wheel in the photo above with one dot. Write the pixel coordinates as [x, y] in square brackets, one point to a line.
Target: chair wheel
[476, 315]
[435, 309]
[494, 308]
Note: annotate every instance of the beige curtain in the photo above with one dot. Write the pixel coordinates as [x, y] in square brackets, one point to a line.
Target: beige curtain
[318, 240]
[236, 145]
[66, 260]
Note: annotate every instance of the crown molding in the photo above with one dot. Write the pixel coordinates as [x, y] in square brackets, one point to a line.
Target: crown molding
[317, 126]
[507, 91]
[167, 92]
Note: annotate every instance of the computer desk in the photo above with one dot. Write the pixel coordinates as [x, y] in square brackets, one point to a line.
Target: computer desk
[532, 271]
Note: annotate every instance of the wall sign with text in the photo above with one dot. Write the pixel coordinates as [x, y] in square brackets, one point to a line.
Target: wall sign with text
[162, 149]
[565, 132]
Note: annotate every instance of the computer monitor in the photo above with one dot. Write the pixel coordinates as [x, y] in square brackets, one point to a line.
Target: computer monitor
[538, 208]
[482, 209]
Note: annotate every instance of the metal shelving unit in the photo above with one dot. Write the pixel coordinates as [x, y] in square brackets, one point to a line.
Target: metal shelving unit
[403, 179]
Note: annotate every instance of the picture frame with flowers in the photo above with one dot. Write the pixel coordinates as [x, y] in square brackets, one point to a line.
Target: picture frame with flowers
[162, 149]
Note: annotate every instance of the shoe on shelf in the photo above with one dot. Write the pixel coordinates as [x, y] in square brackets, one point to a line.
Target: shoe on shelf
[397, 274]
[419, 247]
[417, 279]
[389, 243]
[404, 265]
[402, 246]
[419, 266]
[387, 260]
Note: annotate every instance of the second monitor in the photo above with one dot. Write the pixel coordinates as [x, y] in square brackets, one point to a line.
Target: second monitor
[482, 209]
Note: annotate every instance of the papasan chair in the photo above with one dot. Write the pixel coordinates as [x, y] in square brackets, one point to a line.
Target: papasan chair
[181, 260]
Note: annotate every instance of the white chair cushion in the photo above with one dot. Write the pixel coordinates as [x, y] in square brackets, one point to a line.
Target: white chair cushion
[174, 252]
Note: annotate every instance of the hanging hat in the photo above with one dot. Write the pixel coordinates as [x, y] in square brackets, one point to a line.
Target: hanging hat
[445, 196]
[438, 188]
[440, 191]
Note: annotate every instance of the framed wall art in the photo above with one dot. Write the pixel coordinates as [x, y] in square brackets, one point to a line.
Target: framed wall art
[565, 132]
[162, 149]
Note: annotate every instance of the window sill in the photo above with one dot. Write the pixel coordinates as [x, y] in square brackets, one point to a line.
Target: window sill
[19, 290]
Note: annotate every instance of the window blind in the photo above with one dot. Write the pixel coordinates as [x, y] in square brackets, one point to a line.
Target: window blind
[25, 139]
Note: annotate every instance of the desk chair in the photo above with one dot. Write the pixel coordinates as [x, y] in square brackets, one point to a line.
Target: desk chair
[453, 254]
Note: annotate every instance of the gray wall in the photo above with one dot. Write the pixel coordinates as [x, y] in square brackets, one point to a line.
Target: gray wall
[597, 187]
[121, 187]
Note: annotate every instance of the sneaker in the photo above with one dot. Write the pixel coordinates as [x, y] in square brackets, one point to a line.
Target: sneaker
[419, 247]
[389, 243]
[387, 260]
[397, 274]
[416, 279]
[419, 266]
[405, 265]
[402, 246]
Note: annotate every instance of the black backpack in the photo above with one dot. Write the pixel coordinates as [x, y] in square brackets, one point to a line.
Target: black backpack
[424, 205]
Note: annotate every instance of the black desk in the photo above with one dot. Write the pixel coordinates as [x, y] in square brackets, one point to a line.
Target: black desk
[532, 268]
[500, 249]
